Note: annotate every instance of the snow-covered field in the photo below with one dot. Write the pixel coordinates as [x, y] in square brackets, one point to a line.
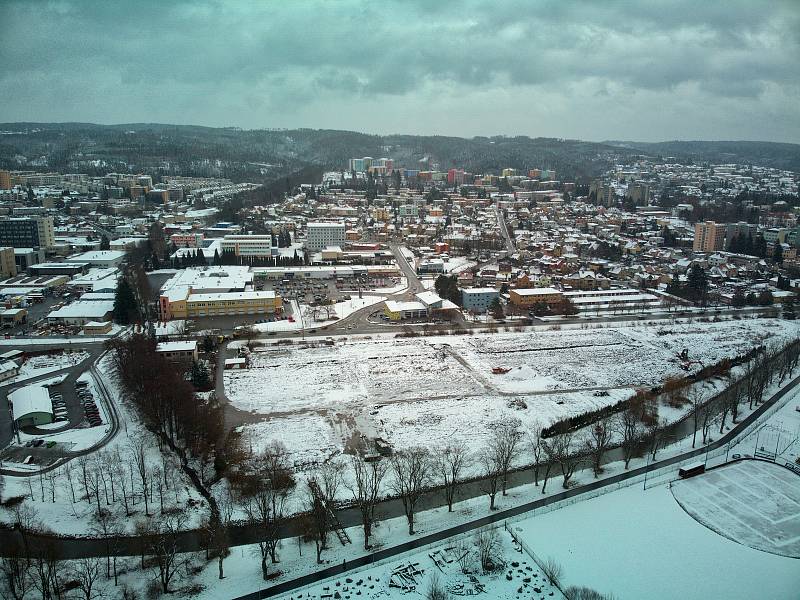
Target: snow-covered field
[339, 310]
[641, 544]
[47, 363]
[751, 502]
[414, 391]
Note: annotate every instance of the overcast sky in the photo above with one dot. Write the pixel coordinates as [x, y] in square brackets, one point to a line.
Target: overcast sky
[595, 70]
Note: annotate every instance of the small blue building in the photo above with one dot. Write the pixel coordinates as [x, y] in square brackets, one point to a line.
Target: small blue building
[478, 299]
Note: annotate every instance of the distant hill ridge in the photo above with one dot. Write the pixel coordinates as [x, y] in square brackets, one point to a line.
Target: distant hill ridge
[264, 154]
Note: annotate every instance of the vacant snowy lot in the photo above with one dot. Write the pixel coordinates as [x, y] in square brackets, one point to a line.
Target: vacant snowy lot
[659, 551]
[751, 502]
[414, 391]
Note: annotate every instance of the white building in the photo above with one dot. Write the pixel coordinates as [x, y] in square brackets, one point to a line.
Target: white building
[248, 245]
[98, 258]
[80, 313]
[320, 235]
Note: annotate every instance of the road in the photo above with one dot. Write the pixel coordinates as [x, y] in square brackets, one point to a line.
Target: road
[510, 247]
[70, 547]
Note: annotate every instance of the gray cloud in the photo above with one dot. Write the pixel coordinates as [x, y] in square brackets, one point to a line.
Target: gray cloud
[580, 69]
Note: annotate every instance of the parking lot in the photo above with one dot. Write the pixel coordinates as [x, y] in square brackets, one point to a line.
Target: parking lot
[312, 291]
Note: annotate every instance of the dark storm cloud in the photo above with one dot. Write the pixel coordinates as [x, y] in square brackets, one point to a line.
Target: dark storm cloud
[577, 68]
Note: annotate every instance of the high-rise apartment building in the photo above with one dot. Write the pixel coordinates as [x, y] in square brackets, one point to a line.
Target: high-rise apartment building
[320, 235]
[33, 232]
[709, 237]
[8, 266]
[5, 180]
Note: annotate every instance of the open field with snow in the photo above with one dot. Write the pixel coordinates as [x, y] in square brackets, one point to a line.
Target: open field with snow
[414, 391]
[659, 551]
[751, 502]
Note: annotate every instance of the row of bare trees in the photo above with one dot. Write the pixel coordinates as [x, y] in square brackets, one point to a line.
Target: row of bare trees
[31, 567]
[166, 400]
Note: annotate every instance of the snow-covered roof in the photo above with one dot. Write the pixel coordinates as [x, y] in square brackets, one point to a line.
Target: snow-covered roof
[183, 346]
[93, 309]
[546, 291]
[395, 306]
[30, 399]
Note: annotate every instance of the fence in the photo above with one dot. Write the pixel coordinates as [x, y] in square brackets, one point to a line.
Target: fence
[535, 557]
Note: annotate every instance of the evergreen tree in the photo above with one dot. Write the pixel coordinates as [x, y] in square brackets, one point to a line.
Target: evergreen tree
[200, 375]
[698, 283]
[125, 306]
[496, 309]
[105, 244]
[765, 298]
[200, 257]
[217, 259]
[738, 300]
[788, 309]
[777, 254]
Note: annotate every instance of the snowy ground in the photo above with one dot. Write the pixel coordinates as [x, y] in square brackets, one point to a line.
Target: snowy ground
[751, 502]
[413, 391]
[641, 544]
[47, 363]
[340, 310]
[77, 518]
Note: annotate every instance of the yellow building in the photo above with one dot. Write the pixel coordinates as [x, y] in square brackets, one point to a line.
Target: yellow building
[5, 180]
[708, 237]
[219, 304]
[526, 298]
[8, 268]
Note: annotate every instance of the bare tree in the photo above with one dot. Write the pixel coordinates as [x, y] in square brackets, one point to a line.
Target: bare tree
[265, 509]
[597, 440]
[656, 434]
[317, 524]
[47, 570]
[104, 526]
[86, 572]
[631, 430]
[164, 549]
[487, 541]
[68, 472]
[505, 444]
[138, 451]
[491, 475]
[15, 571]
[553, 571]
[463, 551]
[450, 462]
[559, 449]
[707, 415]
[221, 525]
[411, 473]
[696, 400]
[534, 435]
[584, 593]
[329, 478]
[367, 477]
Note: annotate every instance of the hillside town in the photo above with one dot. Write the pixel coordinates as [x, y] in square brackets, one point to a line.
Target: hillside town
[648, 235]
[372, 323]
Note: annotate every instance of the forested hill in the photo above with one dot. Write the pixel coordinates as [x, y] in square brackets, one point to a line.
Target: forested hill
[263, 155]
[766, 154]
